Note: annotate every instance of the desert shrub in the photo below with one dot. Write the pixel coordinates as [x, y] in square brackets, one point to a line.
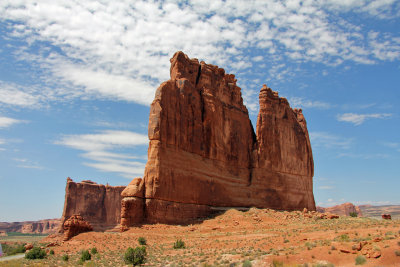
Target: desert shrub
[353, 214]
[65, 257]
[360, 260]
[51, 252]
[135, 256]
[85, 255]
[12, 250]
[342, 238]
[323, 265]
[397, 253]
[179, 244]
[35, 253]
[142, 241]
[93, 251]
[247, 263]
[276, 263]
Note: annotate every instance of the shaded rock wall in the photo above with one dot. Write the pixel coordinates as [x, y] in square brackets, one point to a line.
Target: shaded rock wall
[204, 154]
[98, 204]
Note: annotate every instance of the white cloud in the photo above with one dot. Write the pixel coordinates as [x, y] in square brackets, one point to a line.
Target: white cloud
[363, 156]
[300, 102]
[358, 119]
[326, 187]
[97, 148]
[8, 122]
[16, 95]
[327, 140]
[120, 50]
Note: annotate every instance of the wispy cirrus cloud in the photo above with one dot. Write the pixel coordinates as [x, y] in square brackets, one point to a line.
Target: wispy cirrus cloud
[358, 119]
[6, 122]
[328, 140]
[83, 46]
[98, 147]
[301, 102]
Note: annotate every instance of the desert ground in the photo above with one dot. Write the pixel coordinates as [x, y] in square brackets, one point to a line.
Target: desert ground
[257, 237]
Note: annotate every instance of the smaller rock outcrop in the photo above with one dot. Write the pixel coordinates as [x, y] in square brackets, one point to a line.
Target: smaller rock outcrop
[99, 204]
[386, 216]
[74, 226]
[344, 209]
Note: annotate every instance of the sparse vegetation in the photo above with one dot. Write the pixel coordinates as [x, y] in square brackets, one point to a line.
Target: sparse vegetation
[93, 251]
[13, 249]
[397, 252]
[247, 263]
[35, 253]
[51, 252]
[85, 255]
[65, 257]
[135, 256]
[179, 244]
[360, 260]
[353, 214]
[142, 241]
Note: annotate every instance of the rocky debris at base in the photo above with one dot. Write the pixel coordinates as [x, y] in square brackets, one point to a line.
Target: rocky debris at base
[74, 226]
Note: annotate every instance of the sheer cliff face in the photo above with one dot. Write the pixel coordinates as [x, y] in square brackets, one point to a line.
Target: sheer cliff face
[203, 151]
[98, 204]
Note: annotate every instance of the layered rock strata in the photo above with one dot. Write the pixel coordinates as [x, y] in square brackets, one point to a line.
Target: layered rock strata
[204, 154]
[99, 204]
[48, 226]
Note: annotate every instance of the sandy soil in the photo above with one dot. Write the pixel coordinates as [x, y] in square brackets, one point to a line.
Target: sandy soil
[262, 236]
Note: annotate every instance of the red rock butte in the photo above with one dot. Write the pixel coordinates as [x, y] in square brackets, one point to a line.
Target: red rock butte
[204, 155]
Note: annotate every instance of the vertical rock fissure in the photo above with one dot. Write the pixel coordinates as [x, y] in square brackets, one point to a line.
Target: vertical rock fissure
[198, 75]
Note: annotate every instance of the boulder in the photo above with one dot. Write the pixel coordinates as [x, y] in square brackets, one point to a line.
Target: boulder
[204, 153]
[386, 216]
[74, 226]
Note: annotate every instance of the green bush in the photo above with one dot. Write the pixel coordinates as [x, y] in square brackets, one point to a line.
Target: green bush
[276, 263]
[85, 255]
[397, 253]
[35, 253]
[135, 256]
[51, 252]
[247, 263]
[65, 257]
[93, 251]
[360, 260]
[13, 249]
[179, 244]
[353, 214]
[142, 241]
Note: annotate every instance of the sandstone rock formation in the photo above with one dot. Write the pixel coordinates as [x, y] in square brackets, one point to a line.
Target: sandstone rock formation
[74, 226]
[204, 154]
[49, 226]
[100, 205]
[343, 209]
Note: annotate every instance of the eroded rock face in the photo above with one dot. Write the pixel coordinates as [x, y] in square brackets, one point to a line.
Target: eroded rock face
[74, 226]
[343, 209]
[204, 154]
[48, 226]
[99, 204]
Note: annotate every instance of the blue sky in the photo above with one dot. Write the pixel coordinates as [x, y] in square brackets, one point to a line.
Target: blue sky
[77, 79]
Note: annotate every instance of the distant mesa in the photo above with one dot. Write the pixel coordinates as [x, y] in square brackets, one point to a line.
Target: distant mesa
[205, 157]
[49, 226]
[344, 209]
